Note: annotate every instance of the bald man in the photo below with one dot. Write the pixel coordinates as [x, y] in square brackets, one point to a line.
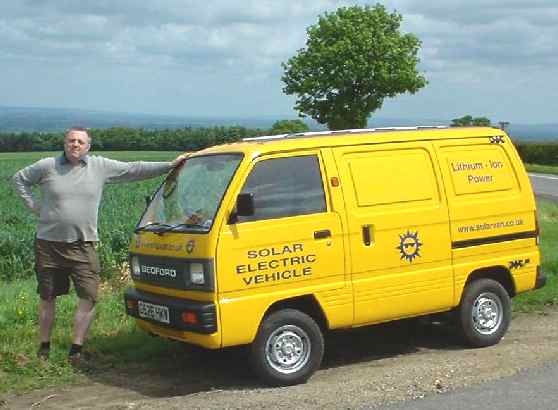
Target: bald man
[71, 187]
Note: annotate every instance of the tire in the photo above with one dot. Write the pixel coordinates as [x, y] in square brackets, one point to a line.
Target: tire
[484, 313]
[288, 348]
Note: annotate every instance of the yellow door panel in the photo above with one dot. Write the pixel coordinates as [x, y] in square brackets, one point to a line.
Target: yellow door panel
[274, 253]
[398, 230]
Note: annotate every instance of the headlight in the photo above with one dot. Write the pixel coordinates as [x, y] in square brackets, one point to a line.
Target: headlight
[135, 266]
[197, 276]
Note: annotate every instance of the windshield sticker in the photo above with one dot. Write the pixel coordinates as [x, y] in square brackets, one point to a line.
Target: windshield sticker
[409, 246]
[275, 264]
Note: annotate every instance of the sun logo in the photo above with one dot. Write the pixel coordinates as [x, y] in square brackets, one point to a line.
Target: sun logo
[409, 246]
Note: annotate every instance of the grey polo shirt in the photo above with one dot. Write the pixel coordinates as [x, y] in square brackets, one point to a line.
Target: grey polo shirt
[70, 195]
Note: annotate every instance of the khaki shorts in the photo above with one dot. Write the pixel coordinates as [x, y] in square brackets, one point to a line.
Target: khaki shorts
[57, 262]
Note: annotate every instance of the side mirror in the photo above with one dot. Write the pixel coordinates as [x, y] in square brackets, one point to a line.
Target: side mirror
[147, 200]
[245, 204]
[244, 207]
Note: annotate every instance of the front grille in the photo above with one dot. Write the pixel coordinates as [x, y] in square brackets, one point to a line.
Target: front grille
[171, 273]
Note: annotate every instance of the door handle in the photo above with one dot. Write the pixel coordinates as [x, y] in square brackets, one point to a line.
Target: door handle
[366, 236]
[324, 233]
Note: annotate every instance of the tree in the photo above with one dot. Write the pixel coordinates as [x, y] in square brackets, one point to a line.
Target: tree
[354, 58]
[469, 121]
[289, 127]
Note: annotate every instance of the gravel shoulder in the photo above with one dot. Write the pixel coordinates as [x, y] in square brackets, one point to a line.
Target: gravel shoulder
[363, 368]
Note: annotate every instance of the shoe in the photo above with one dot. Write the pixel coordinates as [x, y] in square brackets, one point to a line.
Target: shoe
[74, 359]
[81, 360]
[43, 353]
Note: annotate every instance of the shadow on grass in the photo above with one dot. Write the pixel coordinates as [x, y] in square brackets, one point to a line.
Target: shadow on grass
[168, 368]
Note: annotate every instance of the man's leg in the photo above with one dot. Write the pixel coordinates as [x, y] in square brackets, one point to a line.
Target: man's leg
[86, 282]
[82, 321]
[47, 313]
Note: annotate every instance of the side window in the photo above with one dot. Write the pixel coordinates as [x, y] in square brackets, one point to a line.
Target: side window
[285, 187]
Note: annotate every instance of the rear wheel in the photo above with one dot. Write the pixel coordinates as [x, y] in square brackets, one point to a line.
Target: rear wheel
[484, 313]
[288, 348]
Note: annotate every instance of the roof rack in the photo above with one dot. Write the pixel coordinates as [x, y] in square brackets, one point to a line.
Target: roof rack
[350, 131]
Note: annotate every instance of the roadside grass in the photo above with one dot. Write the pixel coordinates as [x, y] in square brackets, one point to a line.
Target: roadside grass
[548, 295]
[542, 169]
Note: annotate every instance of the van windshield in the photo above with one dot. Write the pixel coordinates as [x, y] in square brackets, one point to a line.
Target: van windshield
[189, 198]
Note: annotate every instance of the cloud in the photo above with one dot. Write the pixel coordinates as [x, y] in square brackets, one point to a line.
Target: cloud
[490, 33]
[192, 35]
[261, 33]
[228, 47]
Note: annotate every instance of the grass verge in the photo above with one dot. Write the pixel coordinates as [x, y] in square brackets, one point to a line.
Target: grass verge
[538, 300]
[542, 169]
[114, 340]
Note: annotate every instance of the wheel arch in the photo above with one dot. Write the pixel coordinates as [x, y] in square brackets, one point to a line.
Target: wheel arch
[305, 303]
[497, 273]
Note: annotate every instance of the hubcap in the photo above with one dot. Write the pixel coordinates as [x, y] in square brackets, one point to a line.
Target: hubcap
[487, 313]
[287, 349]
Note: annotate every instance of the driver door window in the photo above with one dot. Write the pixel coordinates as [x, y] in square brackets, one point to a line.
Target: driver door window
[284, 187]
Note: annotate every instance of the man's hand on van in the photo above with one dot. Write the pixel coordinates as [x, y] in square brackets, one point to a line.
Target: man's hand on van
[179, 160]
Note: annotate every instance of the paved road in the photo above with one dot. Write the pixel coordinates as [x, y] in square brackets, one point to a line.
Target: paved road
[545, 185]
[531, 389]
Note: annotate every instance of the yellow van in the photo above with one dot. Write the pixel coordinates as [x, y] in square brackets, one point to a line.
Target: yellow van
[272, 241]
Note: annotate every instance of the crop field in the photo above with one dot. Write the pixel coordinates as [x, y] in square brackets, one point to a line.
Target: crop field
[120, 210]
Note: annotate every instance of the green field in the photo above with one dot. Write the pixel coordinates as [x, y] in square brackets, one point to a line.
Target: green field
[115, 342]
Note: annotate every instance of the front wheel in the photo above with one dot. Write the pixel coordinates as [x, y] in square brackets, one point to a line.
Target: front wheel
[288, 348]
[484, 313]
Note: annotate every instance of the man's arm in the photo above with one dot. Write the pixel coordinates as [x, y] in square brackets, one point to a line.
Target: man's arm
[118, 171]
[23, 181]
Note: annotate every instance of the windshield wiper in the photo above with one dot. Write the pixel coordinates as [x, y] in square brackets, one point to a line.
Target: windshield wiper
[156, 227]
[160, 227]
[185, 226]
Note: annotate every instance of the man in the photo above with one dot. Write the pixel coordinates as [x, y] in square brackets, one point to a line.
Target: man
[71, 187]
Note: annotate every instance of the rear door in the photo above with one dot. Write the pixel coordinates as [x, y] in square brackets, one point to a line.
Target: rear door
[398, 230]
[492, 209]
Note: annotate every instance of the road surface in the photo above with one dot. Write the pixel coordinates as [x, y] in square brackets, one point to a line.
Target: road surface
[545, 185]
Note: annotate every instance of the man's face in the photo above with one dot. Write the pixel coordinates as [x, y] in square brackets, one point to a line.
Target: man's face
[76, 145]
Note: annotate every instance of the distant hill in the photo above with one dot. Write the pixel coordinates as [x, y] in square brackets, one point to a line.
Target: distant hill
[19, 119]
[26, 119]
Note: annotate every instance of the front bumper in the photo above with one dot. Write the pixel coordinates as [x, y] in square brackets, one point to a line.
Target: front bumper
[204, 311]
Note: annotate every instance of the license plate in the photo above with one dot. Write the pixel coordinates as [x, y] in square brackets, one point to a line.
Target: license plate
[155, 312]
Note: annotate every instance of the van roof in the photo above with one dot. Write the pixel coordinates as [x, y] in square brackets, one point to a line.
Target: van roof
[321, 139]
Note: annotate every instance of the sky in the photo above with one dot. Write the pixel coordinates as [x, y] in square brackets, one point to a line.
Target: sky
[222, 58]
